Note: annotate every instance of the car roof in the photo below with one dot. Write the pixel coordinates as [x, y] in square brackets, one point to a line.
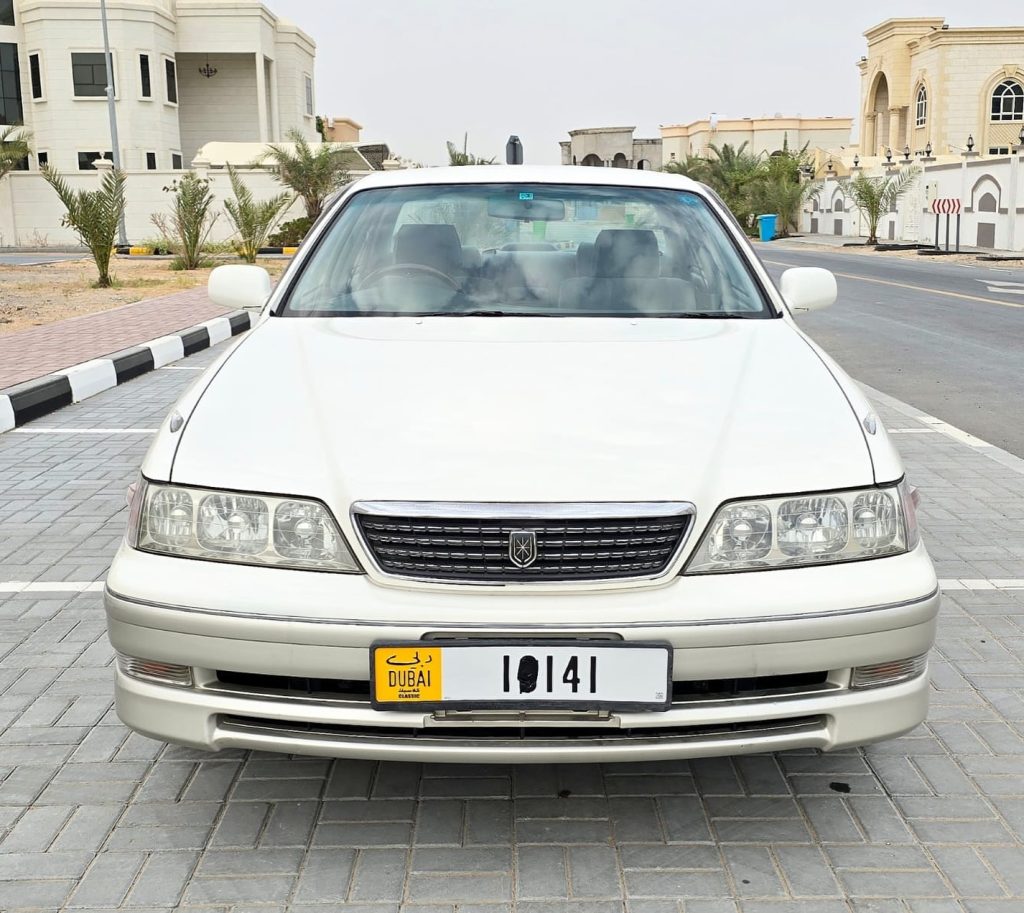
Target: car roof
[528, 174]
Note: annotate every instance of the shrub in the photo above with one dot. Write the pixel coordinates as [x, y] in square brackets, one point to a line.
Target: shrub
[190, 220]
[313, 172]
[253, 221]
[93, 214]
[290, 233]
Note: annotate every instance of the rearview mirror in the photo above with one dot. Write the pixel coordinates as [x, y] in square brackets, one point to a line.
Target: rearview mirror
[239, 285]
[808, 288]
[523, 206]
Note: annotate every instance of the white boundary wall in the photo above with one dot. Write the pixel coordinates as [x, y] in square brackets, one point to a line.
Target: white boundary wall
[31, 213]
[991, 191]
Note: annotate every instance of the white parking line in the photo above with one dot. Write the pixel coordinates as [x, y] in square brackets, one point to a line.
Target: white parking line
[83, 431]
[912, 430]
[56, 586]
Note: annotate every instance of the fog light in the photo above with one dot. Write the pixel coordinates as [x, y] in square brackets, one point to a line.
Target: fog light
[888, 673]
[154, 671]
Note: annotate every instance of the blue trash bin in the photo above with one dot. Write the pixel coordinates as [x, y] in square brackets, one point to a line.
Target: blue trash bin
[766, 226]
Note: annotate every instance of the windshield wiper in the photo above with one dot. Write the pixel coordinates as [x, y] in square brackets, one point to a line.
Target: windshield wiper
[477, 313]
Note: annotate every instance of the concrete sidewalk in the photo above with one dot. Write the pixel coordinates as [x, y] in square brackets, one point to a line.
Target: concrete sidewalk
[28, 354]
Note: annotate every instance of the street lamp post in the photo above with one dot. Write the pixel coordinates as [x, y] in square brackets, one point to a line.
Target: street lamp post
[115, 150]
[1011, 203]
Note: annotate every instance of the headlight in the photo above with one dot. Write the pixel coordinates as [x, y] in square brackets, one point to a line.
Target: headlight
[241, 528]
[809, 529]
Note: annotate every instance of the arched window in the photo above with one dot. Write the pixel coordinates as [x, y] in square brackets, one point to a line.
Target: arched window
[1008, 101]
[838, 205]
[921, 114]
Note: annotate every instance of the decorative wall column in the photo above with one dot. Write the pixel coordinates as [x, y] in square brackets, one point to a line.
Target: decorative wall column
[261, 98]
[896, 141]
[275, 112]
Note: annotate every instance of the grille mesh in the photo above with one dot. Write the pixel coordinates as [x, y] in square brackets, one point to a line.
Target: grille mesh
[477, 550]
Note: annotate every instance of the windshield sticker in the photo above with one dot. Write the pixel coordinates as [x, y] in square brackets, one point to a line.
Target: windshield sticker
[525, 195]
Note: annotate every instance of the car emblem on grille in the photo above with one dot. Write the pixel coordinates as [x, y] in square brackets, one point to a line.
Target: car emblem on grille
[522, 548]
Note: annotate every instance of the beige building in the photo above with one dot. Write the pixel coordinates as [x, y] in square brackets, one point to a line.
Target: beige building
[923, 82]
[341, 130]
[611, 147]
[762, 134]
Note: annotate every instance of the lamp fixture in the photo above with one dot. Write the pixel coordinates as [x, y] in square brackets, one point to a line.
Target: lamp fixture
[828, 165]
[1020, 137]
[888, 155]
[208, 71]
[928, 150]
[856, 161]
[970, 142]
[906, 153]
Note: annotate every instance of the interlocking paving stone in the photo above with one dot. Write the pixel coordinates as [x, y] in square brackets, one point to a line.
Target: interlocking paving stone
[94, 818]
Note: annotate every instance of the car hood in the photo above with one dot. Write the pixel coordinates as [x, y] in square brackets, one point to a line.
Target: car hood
[523, 409]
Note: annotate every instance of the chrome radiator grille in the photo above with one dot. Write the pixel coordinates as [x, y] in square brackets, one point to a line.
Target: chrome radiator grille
[463, 546]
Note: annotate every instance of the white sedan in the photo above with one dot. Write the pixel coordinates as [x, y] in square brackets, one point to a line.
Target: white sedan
[524, 465]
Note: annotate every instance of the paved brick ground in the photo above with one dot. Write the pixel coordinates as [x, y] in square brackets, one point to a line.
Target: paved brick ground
[32, 353]
[93, 818]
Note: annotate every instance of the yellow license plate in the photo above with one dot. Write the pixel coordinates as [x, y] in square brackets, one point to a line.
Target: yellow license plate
[407, 675]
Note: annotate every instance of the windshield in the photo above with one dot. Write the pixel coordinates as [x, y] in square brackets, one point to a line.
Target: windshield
[517, 250]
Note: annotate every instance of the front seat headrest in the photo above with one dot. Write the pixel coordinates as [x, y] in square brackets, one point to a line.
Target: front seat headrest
[627, 253]
[429, 245]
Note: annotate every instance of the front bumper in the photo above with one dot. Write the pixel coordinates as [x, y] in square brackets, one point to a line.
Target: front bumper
[724, 640]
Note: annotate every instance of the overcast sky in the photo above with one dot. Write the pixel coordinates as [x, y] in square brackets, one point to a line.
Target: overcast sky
[418, 72]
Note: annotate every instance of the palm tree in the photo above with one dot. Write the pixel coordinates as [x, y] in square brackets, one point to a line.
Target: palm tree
[313, 173]
[455, 157]
[93, 214]
[14, 147]
[874, 197]
[252, 220]
[693, 166]
[782, 195]
[730, 173]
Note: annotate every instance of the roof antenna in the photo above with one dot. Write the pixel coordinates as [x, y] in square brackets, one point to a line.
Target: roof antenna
[513, 151]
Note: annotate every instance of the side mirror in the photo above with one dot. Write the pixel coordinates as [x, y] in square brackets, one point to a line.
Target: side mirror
[808, 288]
[240, 286]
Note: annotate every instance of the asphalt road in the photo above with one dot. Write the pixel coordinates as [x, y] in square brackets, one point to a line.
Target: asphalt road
[945, 337]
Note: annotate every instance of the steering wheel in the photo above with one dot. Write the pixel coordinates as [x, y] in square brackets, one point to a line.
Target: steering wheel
[407, 268]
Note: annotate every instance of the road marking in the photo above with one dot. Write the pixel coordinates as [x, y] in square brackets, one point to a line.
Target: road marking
[180, 368]
[84, 430]
[56, 586]
[957, 434]
[912, 430]
[1010, 288]
[917, 288]
[981, 583]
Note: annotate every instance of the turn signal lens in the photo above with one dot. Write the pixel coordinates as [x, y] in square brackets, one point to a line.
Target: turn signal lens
[154, 671]
[888, 673]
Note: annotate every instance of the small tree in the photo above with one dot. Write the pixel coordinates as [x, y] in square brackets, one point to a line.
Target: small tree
[874, 197]
[190, 220]
[93, 214]
[253, 221]
[455, 157]
[14, 148]
[313, 173]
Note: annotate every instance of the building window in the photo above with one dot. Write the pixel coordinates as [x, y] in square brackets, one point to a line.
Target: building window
[10, 85]
[89, 74]
[1008, 101]
[6, 12]
[35, 73]
[309, 96]
[86, 159]
[151, 161]
[998, 150]
[176, 161]
[922, 107]
[145, 83]
[42, 159]
[171, 74]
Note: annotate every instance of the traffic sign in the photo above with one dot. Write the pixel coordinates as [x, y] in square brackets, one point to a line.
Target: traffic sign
[946, 206]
